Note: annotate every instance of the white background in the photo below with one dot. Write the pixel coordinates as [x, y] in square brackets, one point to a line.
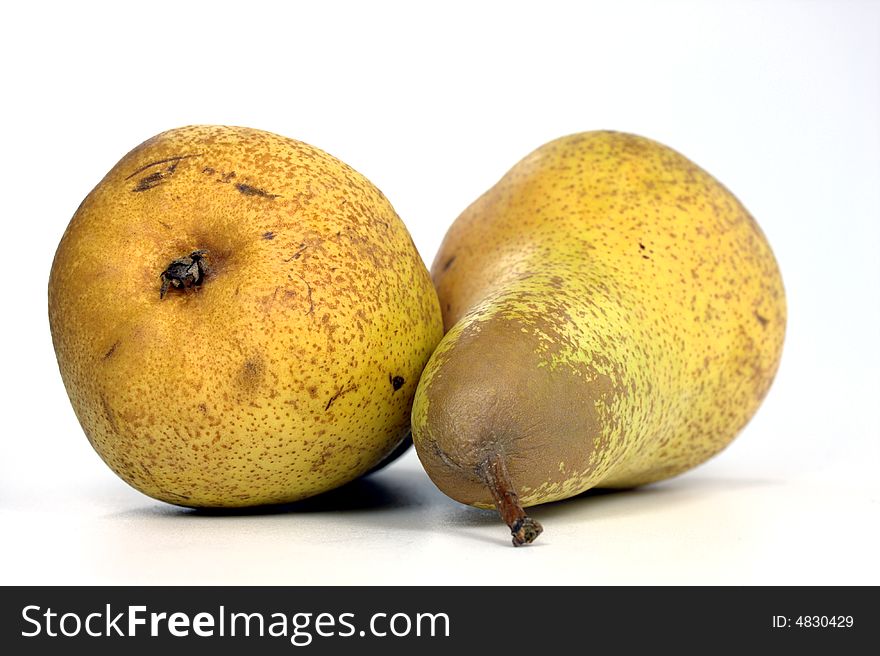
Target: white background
[779, 100]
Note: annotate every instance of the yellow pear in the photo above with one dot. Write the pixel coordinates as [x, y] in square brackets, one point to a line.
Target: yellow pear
[239, 319]
[615, 316]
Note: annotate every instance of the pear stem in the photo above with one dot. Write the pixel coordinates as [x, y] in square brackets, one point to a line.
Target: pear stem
[523, 528]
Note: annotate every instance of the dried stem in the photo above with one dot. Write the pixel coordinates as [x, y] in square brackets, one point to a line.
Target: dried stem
[523, 528]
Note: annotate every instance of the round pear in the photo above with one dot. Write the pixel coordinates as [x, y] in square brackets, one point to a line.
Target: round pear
[239, 319]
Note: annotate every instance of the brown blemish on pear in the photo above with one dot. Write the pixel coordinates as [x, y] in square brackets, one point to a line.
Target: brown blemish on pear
[503, 409]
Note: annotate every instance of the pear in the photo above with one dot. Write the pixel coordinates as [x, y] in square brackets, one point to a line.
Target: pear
[615, 317]
[239, 319]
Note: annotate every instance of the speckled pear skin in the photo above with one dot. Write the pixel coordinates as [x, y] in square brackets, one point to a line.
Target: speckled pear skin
[290, 369]
[615, 317]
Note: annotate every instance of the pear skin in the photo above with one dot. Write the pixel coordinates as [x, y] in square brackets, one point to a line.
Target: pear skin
[615, 317]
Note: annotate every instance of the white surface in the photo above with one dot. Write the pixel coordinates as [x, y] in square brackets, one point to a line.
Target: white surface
[781, 101]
